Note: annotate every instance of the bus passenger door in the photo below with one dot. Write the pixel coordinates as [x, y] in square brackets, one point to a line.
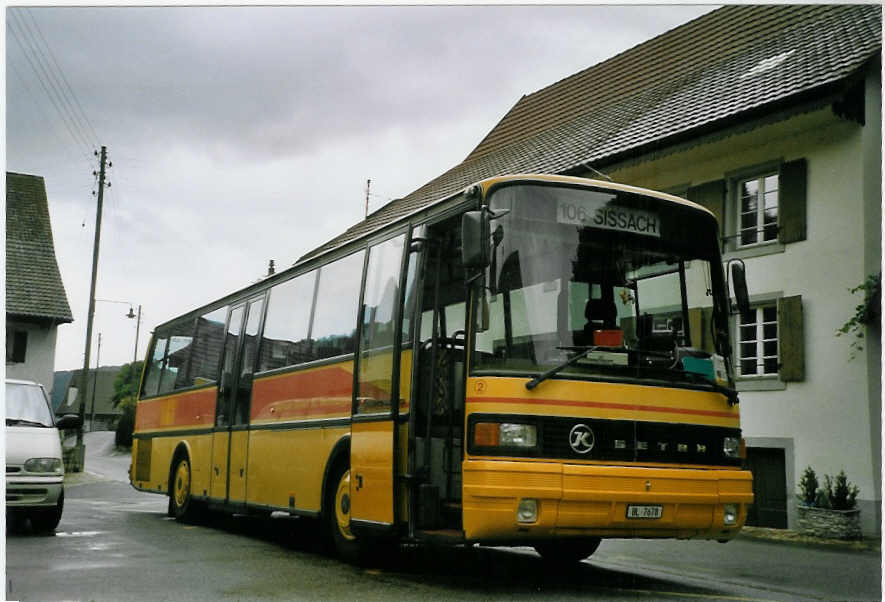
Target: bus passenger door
[218, 484]
[242, 402]
[373, 436]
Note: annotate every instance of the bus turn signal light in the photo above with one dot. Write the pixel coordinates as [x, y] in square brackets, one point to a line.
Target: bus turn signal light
[486, 434]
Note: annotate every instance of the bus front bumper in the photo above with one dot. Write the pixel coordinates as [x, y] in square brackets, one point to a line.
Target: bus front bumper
[579, 500]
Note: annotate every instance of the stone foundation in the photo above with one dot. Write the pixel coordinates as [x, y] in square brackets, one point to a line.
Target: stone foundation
[829, 524]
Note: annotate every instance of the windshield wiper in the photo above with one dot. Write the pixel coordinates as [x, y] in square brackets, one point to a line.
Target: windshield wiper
[19, 421]
[582, 353]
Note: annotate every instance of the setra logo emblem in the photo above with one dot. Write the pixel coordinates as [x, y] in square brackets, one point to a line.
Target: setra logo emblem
[581, 438]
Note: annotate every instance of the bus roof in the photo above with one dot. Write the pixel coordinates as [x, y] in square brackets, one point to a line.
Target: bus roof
[318, 257]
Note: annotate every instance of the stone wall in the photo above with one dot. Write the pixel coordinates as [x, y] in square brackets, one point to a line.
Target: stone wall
[829, 524]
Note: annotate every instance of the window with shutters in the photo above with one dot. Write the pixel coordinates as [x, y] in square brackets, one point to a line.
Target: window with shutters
[769, 344]
[760, 208]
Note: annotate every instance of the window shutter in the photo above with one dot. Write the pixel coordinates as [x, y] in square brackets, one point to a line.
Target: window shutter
[791, 339]
[712, 196]
[792, 184]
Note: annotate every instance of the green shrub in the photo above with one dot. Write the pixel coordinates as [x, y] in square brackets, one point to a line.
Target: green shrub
[840, 493]
[126, 425]
[808, 487]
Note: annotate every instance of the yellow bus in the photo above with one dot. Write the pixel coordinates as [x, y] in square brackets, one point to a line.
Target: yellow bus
[538, 360]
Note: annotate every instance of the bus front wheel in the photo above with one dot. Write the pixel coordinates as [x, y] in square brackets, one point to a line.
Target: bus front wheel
[338, 512]
[184, 507]
[567, 551]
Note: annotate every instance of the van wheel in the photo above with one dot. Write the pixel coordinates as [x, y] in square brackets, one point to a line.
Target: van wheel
[184, 507]
[338, 514]
[567, 551]
[47, 520]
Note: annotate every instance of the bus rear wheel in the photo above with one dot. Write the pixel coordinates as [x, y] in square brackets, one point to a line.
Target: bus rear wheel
[567, 551]
[184, 507]
[338, 513]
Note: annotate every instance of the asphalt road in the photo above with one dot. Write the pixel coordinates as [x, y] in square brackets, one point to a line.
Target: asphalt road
[115, 543]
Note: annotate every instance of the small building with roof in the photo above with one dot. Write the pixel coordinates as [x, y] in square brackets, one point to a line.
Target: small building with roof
[36, 302]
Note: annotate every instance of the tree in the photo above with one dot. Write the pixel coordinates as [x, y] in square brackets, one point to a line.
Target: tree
[126, 382]
[125, 389]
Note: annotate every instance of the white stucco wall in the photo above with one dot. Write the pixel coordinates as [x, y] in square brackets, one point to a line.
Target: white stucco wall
[39, 361]
[831, 420]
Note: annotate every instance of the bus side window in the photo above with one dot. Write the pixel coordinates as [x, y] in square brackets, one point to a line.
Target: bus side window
[286, 326]
[376, 344]
[177, 358]
[208, 341]
[333, 331]
[154, 367]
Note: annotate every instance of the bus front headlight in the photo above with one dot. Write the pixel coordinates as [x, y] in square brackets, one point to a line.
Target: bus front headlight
[505, 434]
[731, 447]
[518, 435]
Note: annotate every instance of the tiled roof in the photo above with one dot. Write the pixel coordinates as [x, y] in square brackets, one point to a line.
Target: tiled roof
[33, 283]
[723, 66]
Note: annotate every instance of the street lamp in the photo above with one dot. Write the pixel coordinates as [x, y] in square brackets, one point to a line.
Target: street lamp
[130, 315]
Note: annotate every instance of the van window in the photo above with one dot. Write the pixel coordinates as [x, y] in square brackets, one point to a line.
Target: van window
[26, 403]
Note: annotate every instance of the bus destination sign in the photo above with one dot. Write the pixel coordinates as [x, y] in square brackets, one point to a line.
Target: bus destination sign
[600, 213]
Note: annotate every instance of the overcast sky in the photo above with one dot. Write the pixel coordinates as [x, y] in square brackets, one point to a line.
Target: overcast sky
[244, 134]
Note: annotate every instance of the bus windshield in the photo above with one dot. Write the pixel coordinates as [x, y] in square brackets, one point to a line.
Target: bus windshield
[633, 282]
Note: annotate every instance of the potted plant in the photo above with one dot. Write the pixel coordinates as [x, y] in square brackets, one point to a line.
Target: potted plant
[831, 511]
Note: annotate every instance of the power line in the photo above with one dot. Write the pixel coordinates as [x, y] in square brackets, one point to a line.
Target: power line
[51, 77]
[64, 79]
[39, 106]
[61, 113]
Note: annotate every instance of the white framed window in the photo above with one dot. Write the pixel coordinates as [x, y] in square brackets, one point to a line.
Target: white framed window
[758, 347]
[757, 205]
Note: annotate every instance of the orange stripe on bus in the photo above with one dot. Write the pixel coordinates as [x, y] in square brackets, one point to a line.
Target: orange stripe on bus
[324, 392]
[600, 404]
[190, 409]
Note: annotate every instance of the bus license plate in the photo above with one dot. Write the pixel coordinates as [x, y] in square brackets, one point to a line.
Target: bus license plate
[644, 511]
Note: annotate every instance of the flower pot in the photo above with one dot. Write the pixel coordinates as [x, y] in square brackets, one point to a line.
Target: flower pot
[829, 524]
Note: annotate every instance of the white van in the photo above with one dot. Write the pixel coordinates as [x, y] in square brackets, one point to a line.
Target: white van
[35, 472]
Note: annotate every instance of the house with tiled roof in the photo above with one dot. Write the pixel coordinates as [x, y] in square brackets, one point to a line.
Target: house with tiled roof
[100, 412]
[770, 116]
[36, 302]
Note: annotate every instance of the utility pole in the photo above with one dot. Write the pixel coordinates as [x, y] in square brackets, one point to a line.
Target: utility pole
[95, 384]
[84, 377]
[368, 186]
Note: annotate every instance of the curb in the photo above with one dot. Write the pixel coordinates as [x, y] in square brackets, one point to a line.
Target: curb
[786, 536]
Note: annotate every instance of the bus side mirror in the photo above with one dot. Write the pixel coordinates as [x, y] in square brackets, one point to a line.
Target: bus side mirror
[475, 239]
[739, 284]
